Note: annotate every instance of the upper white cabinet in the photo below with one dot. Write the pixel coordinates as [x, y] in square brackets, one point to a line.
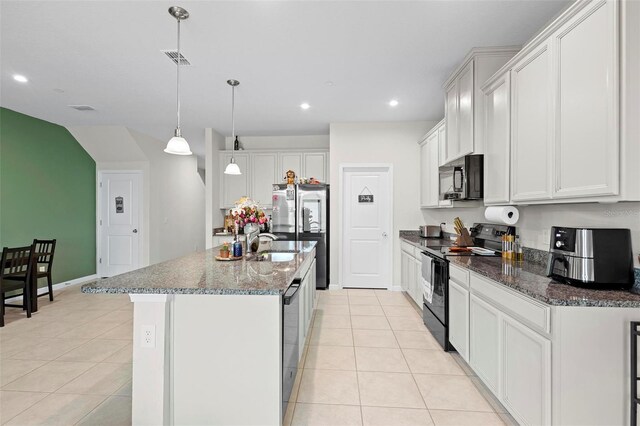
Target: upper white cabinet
[497, 141]
[574, 101]
[429, 163]
[263, 176]
[290, 161]
[464, 106]
[532, 126]
[234, 187]
[587, 132]
[316, 165]
[442, 145]
[261, 169]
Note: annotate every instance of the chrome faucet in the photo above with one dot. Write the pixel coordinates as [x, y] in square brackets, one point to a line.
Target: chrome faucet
[251, 238]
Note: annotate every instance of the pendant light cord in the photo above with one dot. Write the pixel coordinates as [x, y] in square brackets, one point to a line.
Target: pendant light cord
[179, 60]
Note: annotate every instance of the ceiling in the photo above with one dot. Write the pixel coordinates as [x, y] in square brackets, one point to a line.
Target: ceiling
[347, 59]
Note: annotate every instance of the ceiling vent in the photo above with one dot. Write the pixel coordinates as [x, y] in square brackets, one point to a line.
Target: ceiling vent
[83, 107]
[173, 55]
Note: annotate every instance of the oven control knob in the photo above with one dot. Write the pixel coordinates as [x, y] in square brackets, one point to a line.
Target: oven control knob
[558, 244]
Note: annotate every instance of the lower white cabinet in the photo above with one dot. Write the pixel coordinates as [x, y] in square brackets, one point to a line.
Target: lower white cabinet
[526, 366]
[484, 341]
[459, 318]
[218, 240]
[411, 274]
[306, 298]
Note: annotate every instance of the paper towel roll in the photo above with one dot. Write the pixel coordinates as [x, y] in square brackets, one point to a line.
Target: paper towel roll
[508, 215]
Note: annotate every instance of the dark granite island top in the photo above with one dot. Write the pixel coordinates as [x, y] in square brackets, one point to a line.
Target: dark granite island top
[201, 273]
[530, 278]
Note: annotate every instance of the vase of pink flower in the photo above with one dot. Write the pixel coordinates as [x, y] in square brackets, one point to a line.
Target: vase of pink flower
[247, 211]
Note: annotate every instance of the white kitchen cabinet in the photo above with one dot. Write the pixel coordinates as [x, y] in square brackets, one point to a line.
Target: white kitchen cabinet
[497, 148]
[459, 318]
[429, 167]
[315, 164]
[485, 342]
[442, 144]
[218, 240]
[464, 109]
[532, 136]
[411, 273]
[290, 161]
[264, 173]
[526, 367]
[451, 120]
[416, 281]
[464, 143]
[404, 270]
[234, 187]
[587, 127]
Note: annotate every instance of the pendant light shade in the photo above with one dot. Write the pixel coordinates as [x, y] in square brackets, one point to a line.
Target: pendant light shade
[232, 168]
[178, 145]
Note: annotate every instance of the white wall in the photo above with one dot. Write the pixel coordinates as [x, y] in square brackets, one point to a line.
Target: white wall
[395, 143]
[536, 221]
[173, 192]
[281, 142]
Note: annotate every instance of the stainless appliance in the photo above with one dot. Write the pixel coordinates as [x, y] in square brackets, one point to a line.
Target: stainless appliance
[301, 213]
[290, 340]
[467, 179]
[591, 257]
[431, 231]
[435, 276]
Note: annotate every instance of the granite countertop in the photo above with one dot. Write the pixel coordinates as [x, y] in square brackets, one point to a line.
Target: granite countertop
[529, 277]
[201, 273]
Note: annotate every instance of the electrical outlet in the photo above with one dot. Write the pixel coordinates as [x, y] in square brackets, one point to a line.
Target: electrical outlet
[148, 336]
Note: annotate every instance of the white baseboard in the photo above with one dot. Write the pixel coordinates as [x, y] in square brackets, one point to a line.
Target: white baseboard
[396, 288]
[59, 286]
[335, 287]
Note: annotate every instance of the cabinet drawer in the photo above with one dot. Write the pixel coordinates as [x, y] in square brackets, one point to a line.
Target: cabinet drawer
[459, 275]
[531, 312]
[406, 247]
[417, 252]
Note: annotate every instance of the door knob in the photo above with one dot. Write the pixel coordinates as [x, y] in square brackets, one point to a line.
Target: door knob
[135, 231]
[384, 234]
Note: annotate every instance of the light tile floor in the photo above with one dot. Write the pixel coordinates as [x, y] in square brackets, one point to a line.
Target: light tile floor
[369, 361]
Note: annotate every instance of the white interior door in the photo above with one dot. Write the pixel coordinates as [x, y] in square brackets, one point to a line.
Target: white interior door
[366, 245]
[120, 204]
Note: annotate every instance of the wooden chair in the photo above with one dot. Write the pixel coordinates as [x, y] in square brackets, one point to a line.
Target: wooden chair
[16, 266]
[43, 251]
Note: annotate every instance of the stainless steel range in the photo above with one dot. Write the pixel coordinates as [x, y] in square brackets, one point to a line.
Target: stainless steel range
[435, 276]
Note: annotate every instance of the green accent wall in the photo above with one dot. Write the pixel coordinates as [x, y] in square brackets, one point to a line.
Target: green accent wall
[47, 190]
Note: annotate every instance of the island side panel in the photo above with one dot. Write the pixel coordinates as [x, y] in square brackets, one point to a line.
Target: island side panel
[226, 363]
[591, 373]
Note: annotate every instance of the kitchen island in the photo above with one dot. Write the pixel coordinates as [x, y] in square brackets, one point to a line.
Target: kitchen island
[209, 336]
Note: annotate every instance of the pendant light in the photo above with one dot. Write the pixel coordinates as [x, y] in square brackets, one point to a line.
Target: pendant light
[232, 167]
[177, 144]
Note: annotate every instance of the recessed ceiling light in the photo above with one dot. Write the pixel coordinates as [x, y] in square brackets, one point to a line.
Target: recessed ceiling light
[305, 106]
[393, 102]
[20, 78]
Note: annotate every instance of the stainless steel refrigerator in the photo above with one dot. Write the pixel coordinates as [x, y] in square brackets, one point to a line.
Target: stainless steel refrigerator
[301, 213]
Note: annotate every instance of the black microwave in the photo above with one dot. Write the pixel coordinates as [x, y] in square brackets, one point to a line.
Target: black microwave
[468, 179]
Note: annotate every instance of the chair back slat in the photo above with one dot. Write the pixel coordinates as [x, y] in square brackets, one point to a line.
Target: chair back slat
[16, 262]
[44, 250]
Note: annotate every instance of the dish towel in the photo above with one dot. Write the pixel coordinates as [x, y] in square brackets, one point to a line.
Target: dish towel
[427, 266]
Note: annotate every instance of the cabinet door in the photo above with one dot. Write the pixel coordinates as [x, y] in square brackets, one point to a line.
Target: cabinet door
[290, 161]
[234, 187]
[465, 111]
[532, 126]
[451, 123]
[263, 175]
[526, 387]
[218, 240]
[417, 281]
[442, 145]
[404, 270]
[424, 174]
[315, 165]
[434, 176]
[587, 140]
[484, 342]
[497, 112]
[459, 319]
